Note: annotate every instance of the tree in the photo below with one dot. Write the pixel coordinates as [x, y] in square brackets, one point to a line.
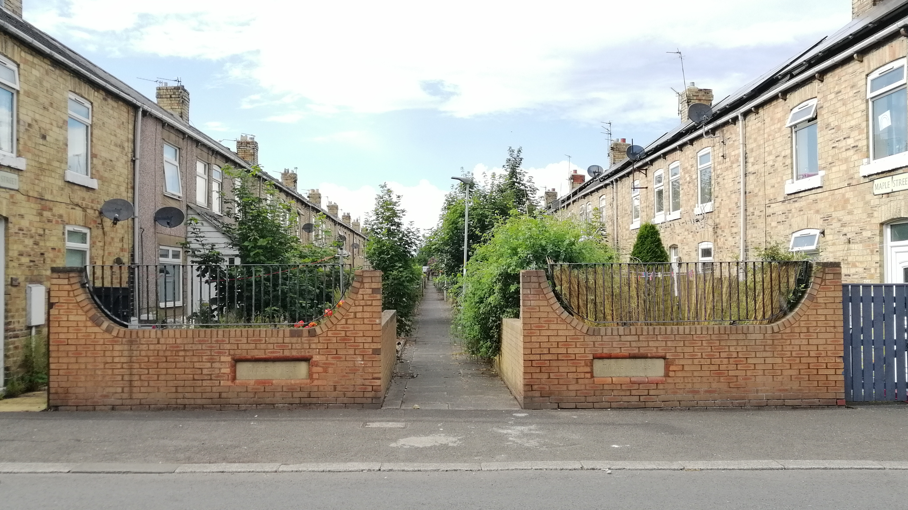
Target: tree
[391, 248]
[649, 248]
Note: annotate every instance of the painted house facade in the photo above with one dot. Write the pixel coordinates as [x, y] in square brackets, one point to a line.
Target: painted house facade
[812, 156]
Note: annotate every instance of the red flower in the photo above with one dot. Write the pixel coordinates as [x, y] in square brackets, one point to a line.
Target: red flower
[328, 312]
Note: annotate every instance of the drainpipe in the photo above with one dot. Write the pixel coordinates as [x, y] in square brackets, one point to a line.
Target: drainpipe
[136, 239]
[742, 147]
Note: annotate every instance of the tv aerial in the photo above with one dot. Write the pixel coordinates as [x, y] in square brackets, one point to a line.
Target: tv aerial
[117, 209]
[307, 228]
[169, 217]
[594, 171]
[342, 238]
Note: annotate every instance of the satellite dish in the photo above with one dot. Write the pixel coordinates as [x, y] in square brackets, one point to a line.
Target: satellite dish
[355, 245]
[117, 209]
[594, 171]
[307, 227]
[169, 217]
[634, 152]
[699, 113]
[342, 238]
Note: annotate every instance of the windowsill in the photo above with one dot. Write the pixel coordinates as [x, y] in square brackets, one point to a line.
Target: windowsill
[635, 225]
[884, 164]
[659, 218]
[674, 216]
[14, 162]
[703, 208]
[81, 180]
[173, 195]
[795, 186]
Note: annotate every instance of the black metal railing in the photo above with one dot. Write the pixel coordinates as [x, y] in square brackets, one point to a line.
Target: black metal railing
[680, 293]
[243, 295]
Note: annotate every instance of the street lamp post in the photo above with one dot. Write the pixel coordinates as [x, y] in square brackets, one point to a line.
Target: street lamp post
[466, 223]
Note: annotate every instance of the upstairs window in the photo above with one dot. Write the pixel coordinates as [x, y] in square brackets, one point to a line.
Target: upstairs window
[674, 189]
[802, 122]
[9, 88]
[201, 183]
[888, 111]
[635, 205]
[659, 194]
[172, 170]
[78, 143]
[602, 208]
[217, 184]
[705, 180]
[589, 211]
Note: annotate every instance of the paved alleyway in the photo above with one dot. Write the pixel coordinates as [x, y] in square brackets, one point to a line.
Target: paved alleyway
[434, 373]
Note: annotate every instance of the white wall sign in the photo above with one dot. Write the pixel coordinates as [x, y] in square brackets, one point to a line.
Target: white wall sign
[890, 184]
[8, 180]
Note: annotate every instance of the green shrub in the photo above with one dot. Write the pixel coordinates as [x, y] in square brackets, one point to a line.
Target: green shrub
[649, 248]
[32, 374]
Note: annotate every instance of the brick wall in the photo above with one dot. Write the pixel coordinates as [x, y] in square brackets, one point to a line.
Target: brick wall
[388, 346]
[795, 362]
[96, 365]
[509, 362]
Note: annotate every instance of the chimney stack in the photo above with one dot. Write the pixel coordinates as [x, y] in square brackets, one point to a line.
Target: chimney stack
[618, 151]
[315, 197]
[288, 178]
[248, 149]
[692, 95]
[345, 219]
[576, 180]
[550, 196]
[332, 209]
[860, 7]
[174, 99]
[356, 226]
[13, 6]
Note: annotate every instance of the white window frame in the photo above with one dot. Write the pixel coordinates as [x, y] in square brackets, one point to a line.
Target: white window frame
[589, 211]
[178, 279]
[581, 214]
[658, 187]
[86, 247]
[602, 209]
[635, 205]
[704, 263]
[891, 275]
[674, 214]
[201, 183]
[797, 121]
[9, 158]
[807, 232]
[705, 207]
[176, 164]
[217, 189]
[71, 176]
[810, 106]
[873, 165]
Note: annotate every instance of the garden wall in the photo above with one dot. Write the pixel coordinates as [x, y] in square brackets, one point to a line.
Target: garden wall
[97, 365]
[569, 364]
[509, 362]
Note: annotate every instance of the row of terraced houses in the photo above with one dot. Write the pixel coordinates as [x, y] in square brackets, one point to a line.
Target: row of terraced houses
[73, 137]
[812, 156]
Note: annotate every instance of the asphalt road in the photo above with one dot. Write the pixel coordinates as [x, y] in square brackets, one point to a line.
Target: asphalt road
[514, 489]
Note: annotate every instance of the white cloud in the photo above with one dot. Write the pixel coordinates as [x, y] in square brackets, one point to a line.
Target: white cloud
[217, 127]
[360, 139]
[468, 59]
[421, 202]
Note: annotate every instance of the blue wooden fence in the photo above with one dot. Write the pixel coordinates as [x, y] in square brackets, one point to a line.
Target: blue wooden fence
[876, 341]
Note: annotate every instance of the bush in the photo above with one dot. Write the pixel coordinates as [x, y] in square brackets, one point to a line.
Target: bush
[493, 273]
[32, 370]
[649, 248]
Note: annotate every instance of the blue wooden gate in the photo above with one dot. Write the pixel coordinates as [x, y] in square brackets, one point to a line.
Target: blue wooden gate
[876, 340]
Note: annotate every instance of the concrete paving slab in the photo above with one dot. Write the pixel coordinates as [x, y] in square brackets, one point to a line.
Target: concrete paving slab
[893, 464]
[532, 465]
[228, 468]
[632, 465]
[330, 467]
[427, 466]
[117, 468]
[33, 467]
[830, 464]
[706, 465]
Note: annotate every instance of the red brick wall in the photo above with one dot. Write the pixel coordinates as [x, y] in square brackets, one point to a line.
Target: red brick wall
[795, 362]
[96, 365]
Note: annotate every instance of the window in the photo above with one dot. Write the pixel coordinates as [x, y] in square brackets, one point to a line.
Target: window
[581, 214]
[674, 189]
[602, 209]
[659, 194]
[888, 109]
[589, 211]
[201, 183]
[78, 146]
[635, 205]
[805, 154]
[172, 170]
[705, 181]
[170, 276]
[805, 240]
[705, 251]
[77, 246]
[9, 86]
[217, 183]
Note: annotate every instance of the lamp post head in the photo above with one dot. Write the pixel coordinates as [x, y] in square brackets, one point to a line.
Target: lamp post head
[465, 180]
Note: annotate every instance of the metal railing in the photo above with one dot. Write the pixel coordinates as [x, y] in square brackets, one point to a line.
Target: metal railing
[687, 293]
[194, 295]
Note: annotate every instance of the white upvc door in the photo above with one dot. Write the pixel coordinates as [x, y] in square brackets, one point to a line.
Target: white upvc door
[897, 253]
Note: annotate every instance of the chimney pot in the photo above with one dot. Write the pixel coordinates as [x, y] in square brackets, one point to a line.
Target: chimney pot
[13, 6]
[248, 149]
[174, 99]
[315, 197]
[288, 178]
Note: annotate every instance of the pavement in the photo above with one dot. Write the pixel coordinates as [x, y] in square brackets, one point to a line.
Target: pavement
[447, 412]
[27, 402]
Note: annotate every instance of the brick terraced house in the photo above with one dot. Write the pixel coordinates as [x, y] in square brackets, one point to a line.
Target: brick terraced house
[813, 155]
[72, 137]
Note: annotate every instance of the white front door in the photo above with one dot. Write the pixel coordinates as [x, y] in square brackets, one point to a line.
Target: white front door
[897, 253]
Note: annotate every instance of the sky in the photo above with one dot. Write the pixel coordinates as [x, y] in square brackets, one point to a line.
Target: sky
[352, 94]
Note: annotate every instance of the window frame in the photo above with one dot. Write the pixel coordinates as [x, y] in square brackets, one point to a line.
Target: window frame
[704, 207]
[178, 279]
[602, 209]
[658, 187]
[201, 183]
[704, 264]
[796, 184]
[10, 158]
[673, 214]
[77, 246]
[176, 164]
[70, 175]
[874, 164]
[217, 189]
[805, 233]
[635, 204]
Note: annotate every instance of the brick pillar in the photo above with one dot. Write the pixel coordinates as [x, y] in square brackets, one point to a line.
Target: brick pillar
[576, 180]
[356, 226]
[174, 99]
[288, 178]
[345, 219]
[315, 197]
[618, 150]
[248, 149]
[332, 209]
[692, 95]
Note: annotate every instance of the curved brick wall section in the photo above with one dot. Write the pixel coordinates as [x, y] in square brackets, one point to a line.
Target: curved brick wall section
[795, 362]
[96, 365]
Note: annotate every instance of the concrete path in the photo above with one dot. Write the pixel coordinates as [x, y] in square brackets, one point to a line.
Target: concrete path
[435, 373]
